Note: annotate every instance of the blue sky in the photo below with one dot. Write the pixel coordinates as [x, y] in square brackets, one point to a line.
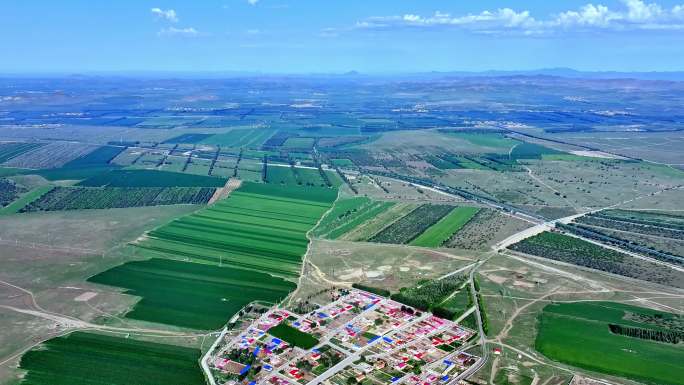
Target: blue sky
[372, 36]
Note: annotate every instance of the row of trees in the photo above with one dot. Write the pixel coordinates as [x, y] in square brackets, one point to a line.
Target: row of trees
[668, 336]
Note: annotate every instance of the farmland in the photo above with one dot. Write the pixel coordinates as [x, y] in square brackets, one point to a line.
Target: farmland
[78, 198]
[191, 295]
[240, 249]
[435, 170]
[252, 138]
[579, 334]
[255, 228]
[151, 178]
[348, 214]
[52, 155]
[90, 359]
[579, 252]
[373, 224]
[412, 225]
[343, 208]
[25, 199]
[13, 149]
[445, 228]
[98, 157]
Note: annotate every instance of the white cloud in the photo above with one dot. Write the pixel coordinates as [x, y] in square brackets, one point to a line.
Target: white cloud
[252, 2]
[587, 15]
[184, 32]
[637, 10]
[168, 15]
[632, 15]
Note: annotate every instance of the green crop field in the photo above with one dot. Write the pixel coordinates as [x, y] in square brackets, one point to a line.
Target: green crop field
[407, 228]
[73, 173]
[342, 209]
[252, 138]
[293, 336]
[486, 140]
[240, 249]
[258, 227]
[579, 334]
[309, 177]
[350, 213]
[281, 175]
[441, 231]
[301, 143]
[532, 151]
[188, 138]
[151, 178]
[342, 162]
[95, 359]
[99, 157]
[191, 295]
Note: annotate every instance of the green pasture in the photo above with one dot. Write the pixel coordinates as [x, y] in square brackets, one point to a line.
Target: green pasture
[577, 334]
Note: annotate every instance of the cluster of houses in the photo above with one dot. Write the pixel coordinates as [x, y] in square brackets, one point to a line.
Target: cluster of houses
[363, 338]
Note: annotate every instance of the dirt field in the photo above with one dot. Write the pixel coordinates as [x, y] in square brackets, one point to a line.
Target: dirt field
[45, 259]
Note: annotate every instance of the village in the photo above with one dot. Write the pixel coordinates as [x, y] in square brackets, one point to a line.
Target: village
[359, 338]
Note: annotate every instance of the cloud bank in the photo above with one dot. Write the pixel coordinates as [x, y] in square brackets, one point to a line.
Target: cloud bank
[632, 15]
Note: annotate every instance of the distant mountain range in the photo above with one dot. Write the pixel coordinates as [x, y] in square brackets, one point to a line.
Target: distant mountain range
[552, 72]
[572, 73]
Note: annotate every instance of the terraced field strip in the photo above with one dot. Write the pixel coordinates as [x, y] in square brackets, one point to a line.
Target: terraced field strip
[335, 217]
[379, 222]
[208, 265]
[95, 359]
[362, 215]
[579, 334]
[441, 231]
